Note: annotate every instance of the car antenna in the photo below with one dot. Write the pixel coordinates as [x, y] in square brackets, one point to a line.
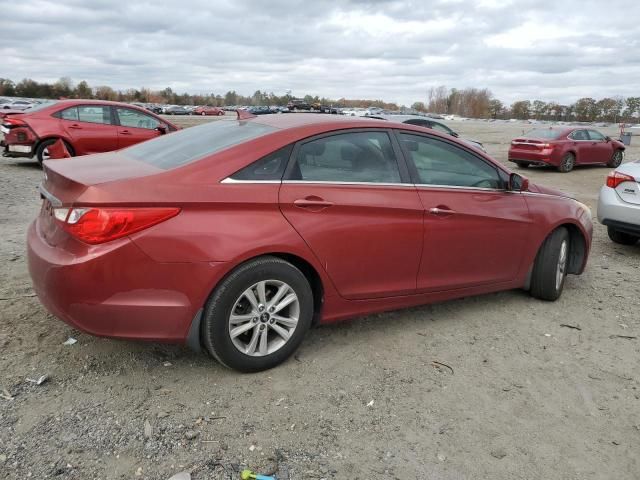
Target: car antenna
[245, 115]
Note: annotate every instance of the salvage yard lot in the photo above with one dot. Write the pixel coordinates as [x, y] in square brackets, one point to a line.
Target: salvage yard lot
[500, 386]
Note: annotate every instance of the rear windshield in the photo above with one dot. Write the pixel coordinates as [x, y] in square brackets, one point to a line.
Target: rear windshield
[185, 146]
[543, 133]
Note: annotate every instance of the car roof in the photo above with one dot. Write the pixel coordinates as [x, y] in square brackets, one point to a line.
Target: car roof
[292, 120]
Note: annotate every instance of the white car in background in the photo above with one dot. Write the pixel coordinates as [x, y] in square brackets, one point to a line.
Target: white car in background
[18, 105]
[619, 204]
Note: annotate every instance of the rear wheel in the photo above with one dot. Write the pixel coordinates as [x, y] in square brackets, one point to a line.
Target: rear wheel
[523, 164]
[616, 159]
[42, 152]
[550, 266]
[622, 238]
[258, 315]
[567, 163]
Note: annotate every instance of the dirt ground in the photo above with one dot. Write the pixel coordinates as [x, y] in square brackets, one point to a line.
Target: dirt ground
[524, 398]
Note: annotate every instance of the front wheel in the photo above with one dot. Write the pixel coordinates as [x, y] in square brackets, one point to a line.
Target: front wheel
[257, 317]
[616, 159]
[622, 238]
[567, 163]
[550, 266]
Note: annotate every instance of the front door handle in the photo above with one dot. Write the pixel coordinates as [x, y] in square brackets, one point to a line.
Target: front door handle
[312, 203]
[125, 132]
[441, 211]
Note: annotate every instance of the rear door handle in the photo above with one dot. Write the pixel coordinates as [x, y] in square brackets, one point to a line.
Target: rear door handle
[441, 211]
[125, 132]
[312, 203]
[76, 126]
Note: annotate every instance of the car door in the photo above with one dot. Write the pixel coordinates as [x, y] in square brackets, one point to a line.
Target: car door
[351, 200]
[582, 146]
[90, 128]
[474, 230]
[601, 150]
[135, 126]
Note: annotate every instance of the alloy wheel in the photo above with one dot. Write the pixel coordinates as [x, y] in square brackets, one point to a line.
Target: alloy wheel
[562, 264]
[264, 318]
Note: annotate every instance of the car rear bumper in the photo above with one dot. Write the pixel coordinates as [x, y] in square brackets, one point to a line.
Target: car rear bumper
[116, 290]
[616, 213]
[16, 150]
[544, 157]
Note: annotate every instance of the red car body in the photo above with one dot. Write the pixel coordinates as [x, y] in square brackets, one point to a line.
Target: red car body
[364, 247]
[548, 146]
[207, 110]
[86, 127]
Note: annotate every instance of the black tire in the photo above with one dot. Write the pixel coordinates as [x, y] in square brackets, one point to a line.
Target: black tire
[544, 281]
[215, 322]
[622, 238]
[616, 159]
[40, 150]
[567, 163]
[523, 164]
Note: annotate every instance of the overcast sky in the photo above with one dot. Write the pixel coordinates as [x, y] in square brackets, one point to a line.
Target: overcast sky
[377, 49]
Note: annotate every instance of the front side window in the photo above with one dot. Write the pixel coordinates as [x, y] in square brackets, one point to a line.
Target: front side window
[441, 163]
[135, 119]
[359, 157]
[596, 136]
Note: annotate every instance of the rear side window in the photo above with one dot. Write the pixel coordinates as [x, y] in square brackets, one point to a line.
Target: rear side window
[68, 114]
[362, 157]
[190, 144]
[270, 167]
[441, 163]
[87, 113]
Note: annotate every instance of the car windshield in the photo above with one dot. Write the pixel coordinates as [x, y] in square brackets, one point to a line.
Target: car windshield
[186, 146]
[543, 133]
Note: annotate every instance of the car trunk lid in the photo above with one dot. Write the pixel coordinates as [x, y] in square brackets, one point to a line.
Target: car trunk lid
[533, 144]
[629, 191]
[70, 179]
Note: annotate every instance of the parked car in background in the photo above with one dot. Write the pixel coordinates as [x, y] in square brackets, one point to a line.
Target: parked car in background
[85, 126]
[565, 148]
[261, 110]
[236, 236]
[619, 204]
[208, 110]
[296, 105]
[176, 110]
[18, 105]
[429, 123]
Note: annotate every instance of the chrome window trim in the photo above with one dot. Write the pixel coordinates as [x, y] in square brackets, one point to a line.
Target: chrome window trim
[233, 180]
[459, 187]
[330, 182]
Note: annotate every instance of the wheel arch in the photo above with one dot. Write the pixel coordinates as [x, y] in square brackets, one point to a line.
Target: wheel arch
[66, 141]
[578, 246]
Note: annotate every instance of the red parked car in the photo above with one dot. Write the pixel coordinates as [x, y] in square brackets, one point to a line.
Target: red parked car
[207, 110]
[85, 126]
[565, 148]
[238, 235]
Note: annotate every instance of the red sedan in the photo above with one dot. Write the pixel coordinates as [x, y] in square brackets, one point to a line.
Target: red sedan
[85, 126]
[565, 148]
[207, 110]
[238, 235]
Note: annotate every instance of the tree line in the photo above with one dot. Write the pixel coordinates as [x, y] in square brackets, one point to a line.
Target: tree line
[65, 88]
[480, 103]
[468, 102]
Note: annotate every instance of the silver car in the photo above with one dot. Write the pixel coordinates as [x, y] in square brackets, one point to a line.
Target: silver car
[619, 204]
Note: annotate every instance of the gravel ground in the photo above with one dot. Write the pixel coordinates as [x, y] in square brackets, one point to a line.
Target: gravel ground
[525, 397]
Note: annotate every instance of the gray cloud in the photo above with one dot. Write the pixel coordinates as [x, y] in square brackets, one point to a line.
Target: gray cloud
[389, 49]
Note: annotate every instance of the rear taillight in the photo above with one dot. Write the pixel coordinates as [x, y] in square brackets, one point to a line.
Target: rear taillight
[100, 225]
[616, 178]
[11, 122]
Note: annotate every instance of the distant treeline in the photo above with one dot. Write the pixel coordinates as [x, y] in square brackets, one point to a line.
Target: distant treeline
[65, 88]
[469, 102]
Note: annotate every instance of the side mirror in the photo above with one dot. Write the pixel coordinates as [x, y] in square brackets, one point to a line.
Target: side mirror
[518, 183]
[162, 129]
